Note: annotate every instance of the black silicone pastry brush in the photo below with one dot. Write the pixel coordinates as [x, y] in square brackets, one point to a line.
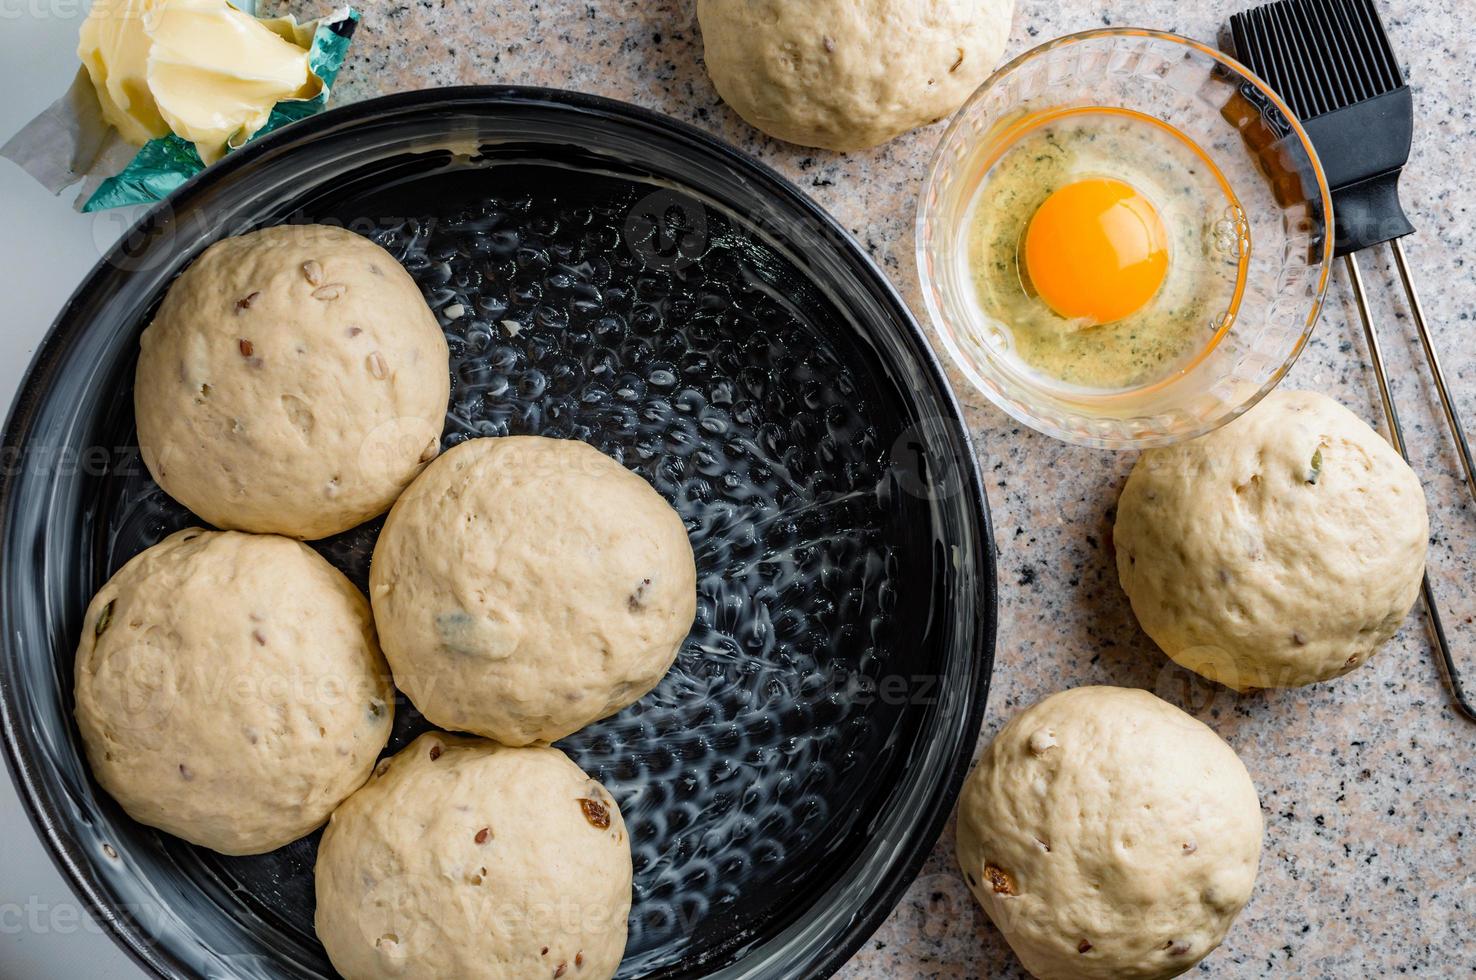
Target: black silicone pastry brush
[1332, 63]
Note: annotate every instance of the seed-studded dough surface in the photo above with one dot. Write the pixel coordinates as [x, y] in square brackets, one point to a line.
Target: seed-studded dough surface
[1108, 834]
[525, 587]
[463, 858]
[230, 690]
[293, 382]
[848, 74]
[1282, 549]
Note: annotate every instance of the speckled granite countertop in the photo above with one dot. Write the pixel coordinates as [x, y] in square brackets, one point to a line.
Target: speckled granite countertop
[1367, 783]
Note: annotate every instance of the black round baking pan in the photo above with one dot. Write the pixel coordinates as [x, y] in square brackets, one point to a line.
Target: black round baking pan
[608, 274]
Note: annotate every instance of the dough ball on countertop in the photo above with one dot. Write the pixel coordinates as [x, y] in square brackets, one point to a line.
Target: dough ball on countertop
[293, 382]
[849, 74]
[525, 587]
[1281, 549]
[463, 858]
[229, 689]
[1108, 834]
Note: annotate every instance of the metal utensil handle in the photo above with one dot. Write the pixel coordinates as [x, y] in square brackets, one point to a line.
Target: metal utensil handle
[1452, 415]
[1396, 436]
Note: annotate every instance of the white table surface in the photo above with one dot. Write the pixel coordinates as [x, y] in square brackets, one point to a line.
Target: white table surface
[45, 933]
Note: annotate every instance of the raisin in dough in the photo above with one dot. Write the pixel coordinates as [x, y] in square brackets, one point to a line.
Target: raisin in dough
[1108, 834]
[849, 74]
[525, 587]
[463, 858]
[229, 689]
[1281, 549]
[292, 382]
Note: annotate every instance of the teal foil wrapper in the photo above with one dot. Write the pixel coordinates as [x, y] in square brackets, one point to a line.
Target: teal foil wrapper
[163, 164]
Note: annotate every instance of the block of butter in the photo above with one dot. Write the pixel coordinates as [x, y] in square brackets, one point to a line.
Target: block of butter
[198, 68]
[168, 87]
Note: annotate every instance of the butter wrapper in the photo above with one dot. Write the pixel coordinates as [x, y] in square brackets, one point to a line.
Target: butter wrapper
[71, 141]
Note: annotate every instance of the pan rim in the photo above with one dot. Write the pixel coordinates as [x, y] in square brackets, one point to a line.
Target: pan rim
[67, 851]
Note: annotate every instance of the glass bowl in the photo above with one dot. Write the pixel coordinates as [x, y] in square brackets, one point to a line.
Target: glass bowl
[1284, 216]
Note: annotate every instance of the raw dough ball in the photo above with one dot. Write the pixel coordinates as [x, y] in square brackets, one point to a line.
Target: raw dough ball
[229, 689]
[848, 74]
[462, 858]
[293, 381]
[525, 587]
[1282, 549]
[1109, 834]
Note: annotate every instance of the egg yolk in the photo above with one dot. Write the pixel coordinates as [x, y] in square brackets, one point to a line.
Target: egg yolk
[1096, 250]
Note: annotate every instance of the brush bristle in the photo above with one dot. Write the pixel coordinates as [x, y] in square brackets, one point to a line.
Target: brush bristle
[1321, 55]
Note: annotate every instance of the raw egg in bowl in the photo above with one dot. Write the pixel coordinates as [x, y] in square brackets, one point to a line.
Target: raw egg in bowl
[1124, 239]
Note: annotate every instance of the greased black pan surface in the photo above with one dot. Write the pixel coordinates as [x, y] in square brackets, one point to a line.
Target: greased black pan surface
[607, 274]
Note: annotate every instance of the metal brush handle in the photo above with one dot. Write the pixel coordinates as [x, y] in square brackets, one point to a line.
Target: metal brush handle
[1396, 436]
[1452, 416]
